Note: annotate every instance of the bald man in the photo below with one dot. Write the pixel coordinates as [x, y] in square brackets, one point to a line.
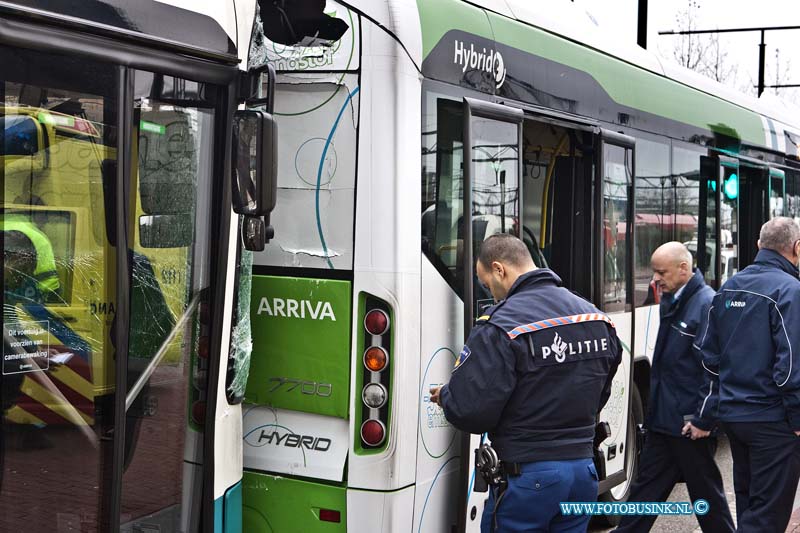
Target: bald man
[675, 448]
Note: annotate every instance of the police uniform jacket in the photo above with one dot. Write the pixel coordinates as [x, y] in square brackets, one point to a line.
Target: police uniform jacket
[677, 372]
[534, 373]
[750, 346]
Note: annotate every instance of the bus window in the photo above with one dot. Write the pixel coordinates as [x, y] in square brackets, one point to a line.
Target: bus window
[655, 211]
[443, 179]
[694, 197]
[59, 119]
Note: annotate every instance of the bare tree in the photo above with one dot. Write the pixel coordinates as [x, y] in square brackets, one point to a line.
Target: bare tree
[690, 49]
[701, 53]
[715, 65]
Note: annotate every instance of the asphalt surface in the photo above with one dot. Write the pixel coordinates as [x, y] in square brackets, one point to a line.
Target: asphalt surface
[683, 524]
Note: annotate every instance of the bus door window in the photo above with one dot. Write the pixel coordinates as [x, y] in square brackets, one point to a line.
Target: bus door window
[492, 187]
[57, 121]
[495, 188]
[617, 175]
[171, 188]
[695, 207]
[777, 193]
[729, 219]
[793, 194]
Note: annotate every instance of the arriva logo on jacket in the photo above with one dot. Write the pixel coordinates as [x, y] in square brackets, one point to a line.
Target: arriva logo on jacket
[734, 303]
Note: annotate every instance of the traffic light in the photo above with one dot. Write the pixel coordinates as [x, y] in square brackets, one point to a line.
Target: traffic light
[731, 186]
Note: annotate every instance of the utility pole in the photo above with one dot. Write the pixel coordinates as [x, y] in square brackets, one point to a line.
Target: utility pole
[762, 47]
[641, 36]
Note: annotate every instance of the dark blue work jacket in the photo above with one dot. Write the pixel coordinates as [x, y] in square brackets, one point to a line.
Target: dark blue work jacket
[751, 346]
[677, 372]
[534, 373]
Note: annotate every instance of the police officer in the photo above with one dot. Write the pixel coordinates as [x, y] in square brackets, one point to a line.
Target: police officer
[751, 349]
[534, 373]
[676, 376]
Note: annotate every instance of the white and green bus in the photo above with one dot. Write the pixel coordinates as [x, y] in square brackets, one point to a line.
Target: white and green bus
[120, 158]
[517, 118]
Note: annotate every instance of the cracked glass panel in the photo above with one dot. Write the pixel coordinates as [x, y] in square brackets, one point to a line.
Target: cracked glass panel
[169, 316]
[58, 137]
[241, 347]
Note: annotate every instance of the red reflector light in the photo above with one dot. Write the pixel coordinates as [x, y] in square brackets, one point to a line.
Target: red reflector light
[205, 313]
[329, 515]
[373, 432]
[202, 347]
[199, 412]
[375, 358]
[376, 322]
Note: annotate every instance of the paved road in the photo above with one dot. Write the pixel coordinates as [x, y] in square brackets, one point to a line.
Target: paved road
[684, 524]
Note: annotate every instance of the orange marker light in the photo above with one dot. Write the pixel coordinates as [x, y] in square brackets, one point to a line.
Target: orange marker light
[375, 358]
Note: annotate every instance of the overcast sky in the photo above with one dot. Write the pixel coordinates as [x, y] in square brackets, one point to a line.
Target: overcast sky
[619, 16]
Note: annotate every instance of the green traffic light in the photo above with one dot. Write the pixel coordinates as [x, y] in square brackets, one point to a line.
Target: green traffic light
[731, 187]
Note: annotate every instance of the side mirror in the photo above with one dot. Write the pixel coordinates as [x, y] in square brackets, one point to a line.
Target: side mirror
[166, 231]
[255, 163]
[254, 234]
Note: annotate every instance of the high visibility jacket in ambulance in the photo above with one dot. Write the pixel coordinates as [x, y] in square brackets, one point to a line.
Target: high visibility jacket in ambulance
[751, 346]
[45, 271]
[535, 372]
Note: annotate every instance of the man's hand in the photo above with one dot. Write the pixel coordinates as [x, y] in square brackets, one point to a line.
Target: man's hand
[797, 433]
[435, 395]
[693, 432]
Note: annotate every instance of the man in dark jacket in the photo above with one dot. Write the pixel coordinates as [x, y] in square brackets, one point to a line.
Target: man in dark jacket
[534, 373]
[751, 351]
[676, 375]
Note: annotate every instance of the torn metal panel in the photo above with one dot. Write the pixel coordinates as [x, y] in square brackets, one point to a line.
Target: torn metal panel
[342, 56]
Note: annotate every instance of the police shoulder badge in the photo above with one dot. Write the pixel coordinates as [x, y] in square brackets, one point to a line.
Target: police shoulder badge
[463, 356]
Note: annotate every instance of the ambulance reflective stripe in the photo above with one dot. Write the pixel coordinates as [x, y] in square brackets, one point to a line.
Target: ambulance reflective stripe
[42, 403]
[37, 403]
[558, 321]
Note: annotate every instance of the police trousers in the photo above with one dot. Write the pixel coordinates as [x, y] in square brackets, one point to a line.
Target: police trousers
[766, 468]
[530, 503]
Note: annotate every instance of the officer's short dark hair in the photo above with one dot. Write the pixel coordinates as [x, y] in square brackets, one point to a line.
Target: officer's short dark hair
[17, 246]
[504, 248]
[779, 234]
